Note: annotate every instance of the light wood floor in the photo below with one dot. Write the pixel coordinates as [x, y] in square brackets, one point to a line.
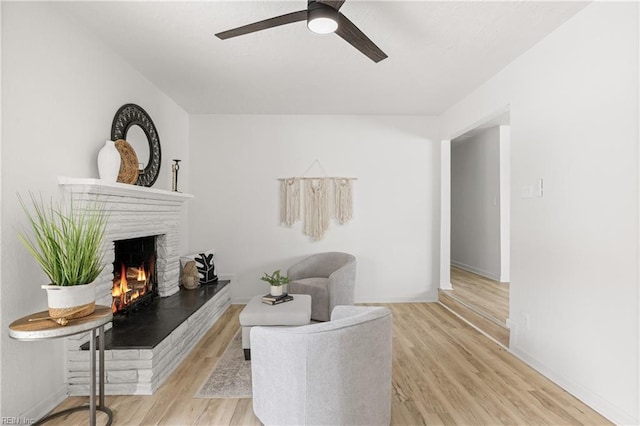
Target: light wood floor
[444, 372]
[481, 301]
[487, 295]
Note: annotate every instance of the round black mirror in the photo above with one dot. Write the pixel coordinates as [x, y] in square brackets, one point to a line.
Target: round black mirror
[126, 118]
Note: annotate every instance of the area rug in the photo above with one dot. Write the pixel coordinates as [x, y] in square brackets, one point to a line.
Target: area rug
[231, 376]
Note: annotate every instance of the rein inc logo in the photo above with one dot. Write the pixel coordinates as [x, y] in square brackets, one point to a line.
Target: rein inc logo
[16, 421]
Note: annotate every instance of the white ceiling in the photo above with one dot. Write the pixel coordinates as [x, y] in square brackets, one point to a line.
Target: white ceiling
[438, 52]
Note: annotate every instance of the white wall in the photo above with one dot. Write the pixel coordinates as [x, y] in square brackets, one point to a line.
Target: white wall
[505, 203]
[445, 215]
[1, 233]
[574, 253]
[475, 203]
[60, 91]
[394, 234]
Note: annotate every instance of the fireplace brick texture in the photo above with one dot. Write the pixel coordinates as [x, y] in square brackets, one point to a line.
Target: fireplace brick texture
[135, 212]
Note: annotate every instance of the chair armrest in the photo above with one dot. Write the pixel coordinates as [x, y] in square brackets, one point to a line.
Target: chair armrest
[345, 311]
[342, 285]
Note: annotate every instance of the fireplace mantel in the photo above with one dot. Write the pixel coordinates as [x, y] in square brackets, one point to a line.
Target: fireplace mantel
[102, 187]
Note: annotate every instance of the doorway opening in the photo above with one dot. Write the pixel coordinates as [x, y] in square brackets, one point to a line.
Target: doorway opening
[476, 254]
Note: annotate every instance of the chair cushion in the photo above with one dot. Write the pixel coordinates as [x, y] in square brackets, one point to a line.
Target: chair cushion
[294, 312]
[318, 289]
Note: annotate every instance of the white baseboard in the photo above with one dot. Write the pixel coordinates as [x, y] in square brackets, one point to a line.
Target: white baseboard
[475, 270]
[446, 285]
[595, 401]
[43, 407]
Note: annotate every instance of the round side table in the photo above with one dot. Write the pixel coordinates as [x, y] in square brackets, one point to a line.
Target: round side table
[38, 327]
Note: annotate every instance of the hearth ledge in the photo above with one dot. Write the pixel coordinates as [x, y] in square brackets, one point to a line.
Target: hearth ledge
[143, 371]
[103, 187]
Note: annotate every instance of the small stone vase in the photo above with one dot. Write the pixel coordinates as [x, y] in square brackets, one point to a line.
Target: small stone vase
[190, 278]
[109, 162]
[73, 301]
[276, 290]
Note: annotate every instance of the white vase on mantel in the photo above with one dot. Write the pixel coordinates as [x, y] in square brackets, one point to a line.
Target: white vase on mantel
[109, 162]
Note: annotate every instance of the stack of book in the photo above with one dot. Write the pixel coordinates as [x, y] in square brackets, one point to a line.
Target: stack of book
[274, 300]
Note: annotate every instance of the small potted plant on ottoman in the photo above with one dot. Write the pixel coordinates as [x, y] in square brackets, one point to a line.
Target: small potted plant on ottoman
[276, 281]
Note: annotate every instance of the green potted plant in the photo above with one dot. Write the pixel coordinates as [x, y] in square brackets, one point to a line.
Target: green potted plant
[67, 243]
[276, 281]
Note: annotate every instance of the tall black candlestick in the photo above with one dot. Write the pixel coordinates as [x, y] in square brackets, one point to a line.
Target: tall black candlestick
[174, 169]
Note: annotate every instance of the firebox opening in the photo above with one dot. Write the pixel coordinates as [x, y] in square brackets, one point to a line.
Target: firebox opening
[134, 274]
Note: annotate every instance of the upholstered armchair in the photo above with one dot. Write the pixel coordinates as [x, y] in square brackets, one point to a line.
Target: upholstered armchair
[331, 373]
[329, 278]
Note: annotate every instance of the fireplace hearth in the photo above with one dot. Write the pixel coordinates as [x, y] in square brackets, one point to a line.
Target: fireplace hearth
[142, 352]
[145, 329]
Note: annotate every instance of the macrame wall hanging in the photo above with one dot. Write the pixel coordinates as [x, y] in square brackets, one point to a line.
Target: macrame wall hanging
[343, 196]
[318, 192]
[289, 201]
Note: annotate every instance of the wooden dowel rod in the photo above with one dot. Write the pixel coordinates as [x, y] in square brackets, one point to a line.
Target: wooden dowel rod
[316, 178]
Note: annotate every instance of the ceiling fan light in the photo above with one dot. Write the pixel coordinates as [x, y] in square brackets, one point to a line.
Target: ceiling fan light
[322, 25]
[323, 19]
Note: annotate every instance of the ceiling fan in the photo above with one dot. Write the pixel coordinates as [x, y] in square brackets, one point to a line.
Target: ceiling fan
[323, 17]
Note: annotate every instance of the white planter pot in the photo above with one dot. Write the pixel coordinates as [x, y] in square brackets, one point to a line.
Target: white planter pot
[276, 290]
[68, 302]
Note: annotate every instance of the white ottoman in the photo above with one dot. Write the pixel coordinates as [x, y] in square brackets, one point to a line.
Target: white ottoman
[295, 312]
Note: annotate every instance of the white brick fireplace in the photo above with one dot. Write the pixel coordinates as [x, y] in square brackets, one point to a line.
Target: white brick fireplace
[135, 212]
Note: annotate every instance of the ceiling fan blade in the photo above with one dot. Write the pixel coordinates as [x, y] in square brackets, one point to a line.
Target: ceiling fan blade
[336, 4]
[289, 18]
[350, 33]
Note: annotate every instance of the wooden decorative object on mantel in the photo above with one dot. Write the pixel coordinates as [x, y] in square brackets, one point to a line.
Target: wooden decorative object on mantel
[128, 164]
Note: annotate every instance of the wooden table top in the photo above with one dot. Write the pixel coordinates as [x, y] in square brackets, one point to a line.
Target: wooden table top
[36, 327]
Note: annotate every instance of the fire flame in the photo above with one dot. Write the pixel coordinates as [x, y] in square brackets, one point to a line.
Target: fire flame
[124, 285]
[123, 295]
[141, 274]
[119, 289]
[115, 291]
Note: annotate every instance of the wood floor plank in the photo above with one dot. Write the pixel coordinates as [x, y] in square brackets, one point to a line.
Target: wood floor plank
[479, 300]
[490, 296]
[499, 332]
[445, 372]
